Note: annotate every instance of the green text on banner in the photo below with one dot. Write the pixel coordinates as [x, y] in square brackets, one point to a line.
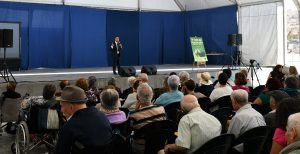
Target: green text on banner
[198, 49]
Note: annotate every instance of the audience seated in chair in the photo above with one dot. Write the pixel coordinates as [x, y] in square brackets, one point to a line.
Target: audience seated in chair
[131, 100]
[183, 76]
[126, 92]
[145, 113]
[46, 101]
[188, 87]
[174, 95]
[143, 77]
[222, 90]
[287, 107]
[263, 100]
[195, 128]
[293, 72]
[87, 127]
[290, 86]
[240, 81]
[205, 85]
[249, 82]
[277, 73]
[230, 80]
[62, 85]
[111, 84]
[276, 96]
[245, 118]
[162, 90]
[109, 106]
[292, 135]
[10, 91]
[91, 95]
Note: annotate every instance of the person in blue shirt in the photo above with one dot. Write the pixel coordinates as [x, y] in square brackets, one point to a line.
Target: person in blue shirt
[174, 95]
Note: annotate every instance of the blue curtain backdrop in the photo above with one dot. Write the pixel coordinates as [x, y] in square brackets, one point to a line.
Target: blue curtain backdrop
[213, 25]
[124, 24]
[161, 38]
[59, 36]
[88, 37]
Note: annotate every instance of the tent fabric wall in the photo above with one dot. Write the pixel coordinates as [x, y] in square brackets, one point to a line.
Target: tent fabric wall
[124, 24]
[213, 25]
[62, 36]
[259, 29]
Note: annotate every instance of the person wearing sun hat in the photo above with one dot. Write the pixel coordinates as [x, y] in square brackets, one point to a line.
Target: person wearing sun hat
[85, 127]
[205, 87]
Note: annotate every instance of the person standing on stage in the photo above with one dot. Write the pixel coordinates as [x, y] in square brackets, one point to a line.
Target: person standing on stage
[116, 47]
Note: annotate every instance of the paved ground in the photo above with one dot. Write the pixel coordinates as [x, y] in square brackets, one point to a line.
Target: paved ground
[6, 141]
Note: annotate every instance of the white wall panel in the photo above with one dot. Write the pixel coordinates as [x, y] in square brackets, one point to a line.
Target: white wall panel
[37, 1]
[110, 4]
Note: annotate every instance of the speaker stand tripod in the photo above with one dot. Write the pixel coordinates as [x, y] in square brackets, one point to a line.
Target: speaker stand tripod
[252, 69]
[6, 73]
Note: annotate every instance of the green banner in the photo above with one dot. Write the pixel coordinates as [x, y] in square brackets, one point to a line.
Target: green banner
[198, 49]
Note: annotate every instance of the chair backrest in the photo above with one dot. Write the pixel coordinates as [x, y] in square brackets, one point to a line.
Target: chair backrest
[254, 139]
[172, 110]
[125, 110]
[224, 101]
[222, 114]
[156, 135]
[122, 128]
[10, 108]
[204, 103]
[218, 145]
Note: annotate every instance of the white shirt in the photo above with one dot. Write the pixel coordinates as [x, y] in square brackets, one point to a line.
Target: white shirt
[196, 128]
[220, 92]
[245, 119]
[130, 101]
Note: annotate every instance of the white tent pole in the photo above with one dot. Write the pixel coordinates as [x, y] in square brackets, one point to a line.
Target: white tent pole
[284, 31]
[179, 5]
[139, 5]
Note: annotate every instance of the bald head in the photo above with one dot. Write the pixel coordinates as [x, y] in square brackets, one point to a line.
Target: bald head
[143, 77]
[189, 102]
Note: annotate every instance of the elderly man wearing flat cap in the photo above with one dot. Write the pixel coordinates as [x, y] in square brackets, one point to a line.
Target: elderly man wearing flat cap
[86, 128]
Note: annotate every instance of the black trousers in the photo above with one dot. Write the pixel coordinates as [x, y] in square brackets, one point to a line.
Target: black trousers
[116, 62]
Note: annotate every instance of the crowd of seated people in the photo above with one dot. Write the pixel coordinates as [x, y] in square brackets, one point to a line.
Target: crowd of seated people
[84, 102]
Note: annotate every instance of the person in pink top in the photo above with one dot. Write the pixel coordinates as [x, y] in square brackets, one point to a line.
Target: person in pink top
[109, 105]
[287, 107]
[240, 81]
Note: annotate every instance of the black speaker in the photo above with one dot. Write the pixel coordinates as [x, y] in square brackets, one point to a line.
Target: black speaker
[239, 39]
[6, 38]
[149, 69]
[231, 41]
[126, 71]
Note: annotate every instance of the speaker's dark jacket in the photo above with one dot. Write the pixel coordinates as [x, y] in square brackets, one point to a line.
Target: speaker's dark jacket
[116, 47]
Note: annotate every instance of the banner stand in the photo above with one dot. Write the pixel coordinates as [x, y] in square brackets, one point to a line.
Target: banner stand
[200, 57]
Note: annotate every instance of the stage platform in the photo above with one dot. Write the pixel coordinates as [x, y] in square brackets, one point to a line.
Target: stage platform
[32, 81]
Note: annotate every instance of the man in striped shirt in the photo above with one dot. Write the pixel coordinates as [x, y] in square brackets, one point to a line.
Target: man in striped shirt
[144, 114]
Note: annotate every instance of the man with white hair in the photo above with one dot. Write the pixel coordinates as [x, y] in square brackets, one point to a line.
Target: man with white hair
[292, 135]
[245, 118]
[145, 109]
[195, 128]
[143, 77]
[144, 114]
[174, 95]
[183, 76]
[126, 92]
